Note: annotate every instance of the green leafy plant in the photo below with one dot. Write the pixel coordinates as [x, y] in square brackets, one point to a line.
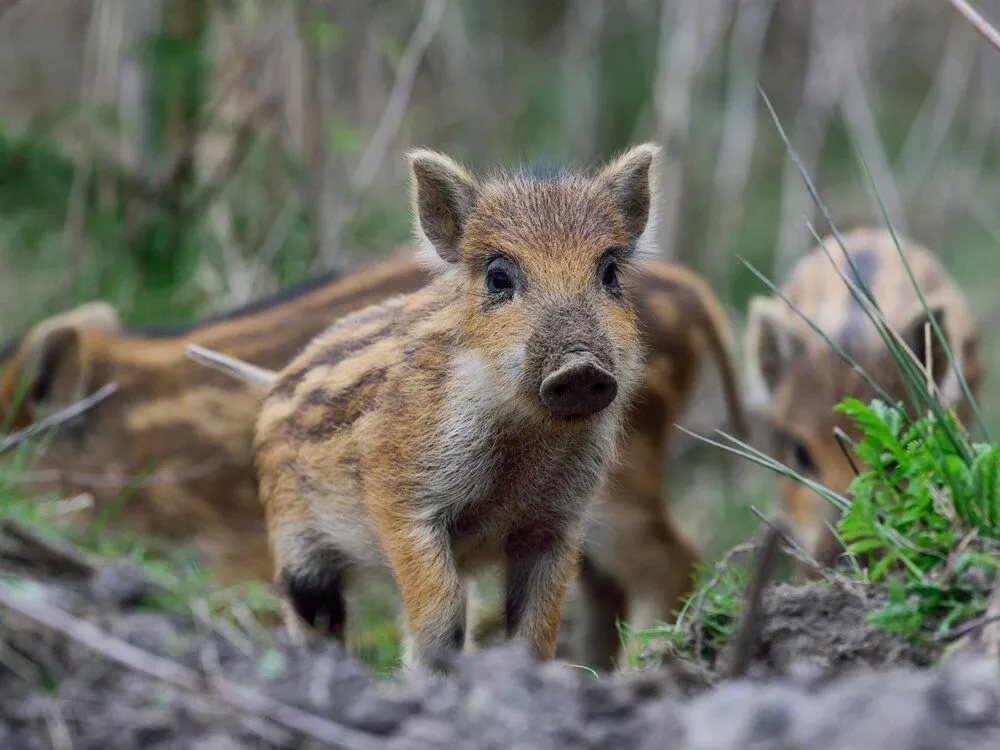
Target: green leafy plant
[926, 515]
[706, 619]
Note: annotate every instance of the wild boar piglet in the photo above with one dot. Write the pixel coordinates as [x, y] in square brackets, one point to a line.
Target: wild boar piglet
[796, 379]
[468, 424]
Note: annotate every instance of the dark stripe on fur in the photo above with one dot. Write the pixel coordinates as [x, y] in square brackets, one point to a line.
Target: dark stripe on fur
[261, 305]
[862, 274]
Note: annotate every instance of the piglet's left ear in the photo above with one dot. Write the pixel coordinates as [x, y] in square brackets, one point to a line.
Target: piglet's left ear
[443, 195]
[632, 180]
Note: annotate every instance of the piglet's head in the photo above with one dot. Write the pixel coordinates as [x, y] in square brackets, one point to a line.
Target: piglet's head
[541, 256]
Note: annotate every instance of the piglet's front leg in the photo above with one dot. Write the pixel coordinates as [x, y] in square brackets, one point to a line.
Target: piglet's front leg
[432, 592]
[540, 566]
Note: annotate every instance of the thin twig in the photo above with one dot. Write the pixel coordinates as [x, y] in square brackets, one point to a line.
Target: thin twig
[800, 553]
[14, 439]
[988, 634]
[210, 190]
[981, 25]
[95, 639]
[392, 117]
[58, 731]
[972, 626]
[242, 699]
[202, 614]
[154, 478]
[242, 614]
[842, 441]
[54, 508]
[18, 664]
[956, 554]
[748, 630]
[720, 570]
[156, 189]
[52, 551]
[276, 238]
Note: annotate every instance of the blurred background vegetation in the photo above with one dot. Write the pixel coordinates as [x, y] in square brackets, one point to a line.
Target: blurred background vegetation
[176, 157]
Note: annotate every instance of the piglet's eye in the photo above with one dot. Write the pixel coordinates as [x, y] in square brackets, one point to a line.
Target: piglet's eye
[501, 275]
[803, 460]
[794, 453]
[497, 280]
[608, 273]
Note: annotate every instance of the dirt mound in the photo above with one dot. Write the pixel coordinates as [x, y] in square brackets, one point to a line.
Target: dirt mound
[819, 628]
[125, 678]
[825, 627]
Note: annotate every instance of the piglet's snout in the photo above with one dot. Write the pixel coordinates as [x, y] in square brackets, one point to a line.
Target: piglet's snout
[578, 387]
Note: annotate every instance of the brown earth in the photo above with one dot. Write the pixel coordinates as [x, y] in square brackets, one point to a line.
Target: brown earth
[817, 629]
[78, 656]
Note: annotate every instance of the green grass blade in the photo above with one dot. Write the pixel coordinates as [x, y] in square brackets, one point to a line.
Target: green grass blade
[762, 459]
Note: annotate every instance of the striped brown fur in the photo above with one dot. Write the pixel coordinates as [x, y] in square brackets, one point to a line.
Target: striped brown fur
[183, 429]
[796, 379]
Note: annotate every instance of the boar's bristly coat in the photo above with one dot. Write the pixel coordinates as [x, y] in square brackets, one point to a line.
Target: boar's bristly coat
[470, 423]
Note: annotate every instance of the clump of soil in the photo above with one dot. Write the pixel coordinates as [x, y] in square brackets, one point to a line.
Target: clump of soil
[825, 626]
[817, 627]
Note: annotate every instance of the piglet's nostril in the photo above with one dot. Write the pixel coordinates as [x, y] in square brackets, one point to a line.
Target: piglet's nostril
[579, 387]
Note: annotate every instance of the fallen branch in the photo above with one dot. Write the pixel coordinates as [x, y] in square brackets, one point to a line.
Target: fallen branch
[14, 439]
[50, 551]
[984, 27]
[246, 700]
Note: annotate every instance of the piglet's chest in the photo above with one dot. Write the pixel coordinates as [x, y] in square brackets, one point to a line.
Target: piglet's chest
[510, 479]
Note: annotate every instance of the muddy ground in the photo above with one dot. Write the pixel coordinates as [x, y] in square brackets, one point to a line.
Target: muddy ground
[82, 666]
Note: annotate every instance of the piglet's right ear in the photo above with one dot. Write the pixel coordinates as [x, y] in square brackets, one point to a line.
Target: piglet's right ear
[633, 180]
[56, 363]
[773, 345]
[444, 195]
[56, 370]
[94, 316]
